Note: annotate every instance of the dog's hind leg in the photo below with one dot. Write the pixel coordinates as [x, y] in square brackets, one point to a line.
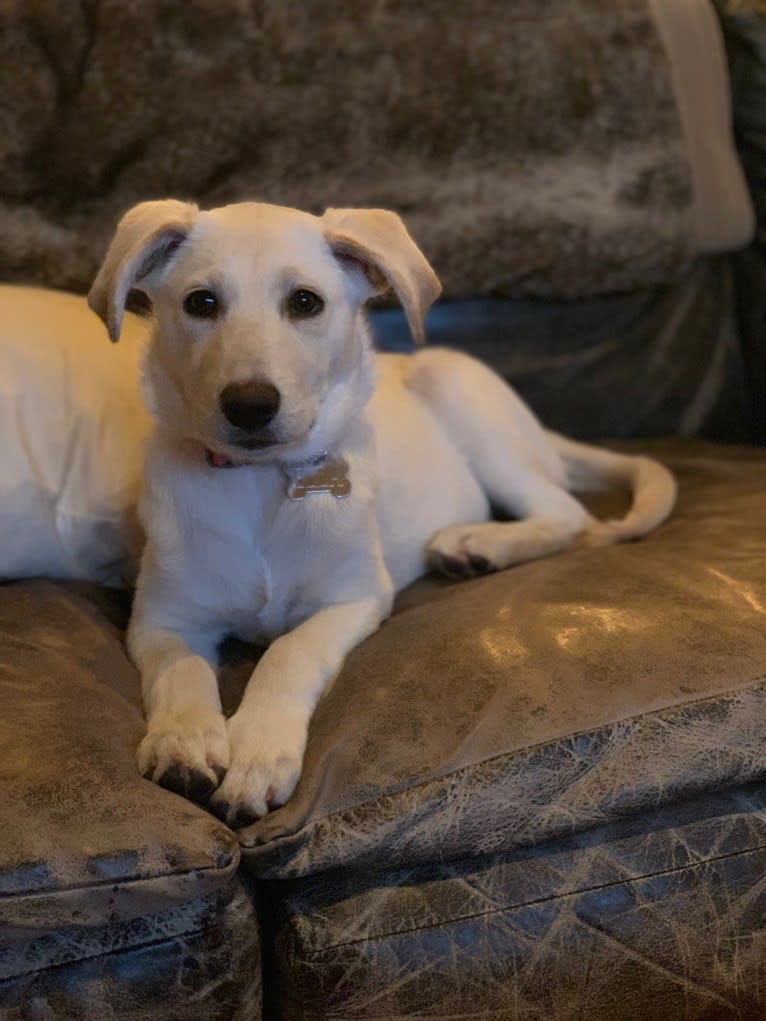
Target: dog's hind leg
[512, 458]
[551, 526]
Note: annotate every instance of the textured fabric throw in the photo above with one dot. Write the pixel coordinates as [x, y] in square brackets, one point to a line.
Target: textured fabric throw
[535, 148]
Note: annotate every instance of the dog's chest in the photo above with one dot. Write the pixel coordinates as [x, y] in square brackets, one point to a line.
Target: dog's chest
[253, 560]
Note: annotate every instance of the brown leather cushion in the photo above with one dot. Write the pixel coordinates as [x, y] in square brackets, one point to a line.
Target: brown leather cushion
[548, 698]
[485, 715]
[84, 840]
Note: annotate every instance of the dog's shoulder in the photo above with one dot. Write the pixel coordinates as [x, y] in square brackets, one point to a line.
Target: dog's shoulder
[173, 471]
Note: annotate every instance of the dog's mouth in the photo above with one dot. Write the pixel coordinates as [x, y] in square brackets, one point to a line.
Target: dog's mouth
[243, 452]
[236, 452]
[257, 444]
[218, 459]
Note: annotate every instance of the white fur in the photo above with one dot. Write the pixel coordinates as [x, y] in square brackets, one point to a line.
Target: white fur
[433, 441]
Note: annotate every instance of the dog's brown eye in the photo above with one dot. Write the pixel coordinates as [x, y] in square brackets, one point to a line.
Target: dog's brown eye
[201, 304]
[303, 303]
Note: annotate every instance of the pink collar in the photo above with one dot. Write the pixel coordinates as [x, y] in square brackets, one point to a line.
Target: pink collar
[219, 460]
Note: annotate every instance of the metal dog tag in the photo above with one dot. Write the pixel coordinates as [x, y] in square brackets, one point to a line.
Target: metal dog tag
[322, 475]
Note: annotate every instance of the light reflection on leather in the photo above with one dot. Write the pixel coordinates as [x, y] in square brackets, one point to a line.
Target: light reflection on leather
[739, 589]
[606, 618]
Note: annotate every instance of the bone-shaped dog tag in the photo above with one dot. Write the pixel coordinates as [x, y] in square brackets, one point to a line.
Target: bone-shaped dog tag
[328, 476]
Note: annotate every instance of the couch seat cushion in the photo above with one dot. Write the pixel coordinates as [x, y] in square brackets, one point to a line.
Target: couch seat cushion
[496, 713]
[84, 840]
[669, 902]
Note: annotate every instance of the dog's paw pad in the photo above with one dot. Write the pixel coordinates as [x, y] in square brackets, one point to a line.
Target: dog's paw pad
[186, 755]
[453, 567]
[190, 783]
[252, 790]
[479, 564]
[237, 818]
[451, 552]
[266, 756]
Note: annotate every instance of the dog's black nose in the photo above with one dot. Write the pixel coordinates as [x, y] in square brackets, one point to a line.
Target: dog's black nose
[249, 405]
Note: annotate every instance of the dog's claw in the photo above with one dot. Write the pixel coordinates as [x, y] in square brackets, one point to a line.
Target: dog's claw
[242, 819]
[478, 564]
[235, 818]
[451, 566]
[220, 808]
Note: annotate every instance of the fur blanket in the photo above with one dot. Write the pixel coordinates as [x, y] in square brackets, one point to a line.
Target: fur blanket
[533, 147]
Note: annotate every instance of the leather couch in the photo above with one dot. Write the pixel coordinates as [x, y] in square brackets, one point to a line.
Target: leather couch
[534, 795]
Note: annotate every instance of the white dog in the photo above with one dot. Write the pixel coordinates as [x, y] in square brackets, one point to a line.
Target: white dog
[349, 473]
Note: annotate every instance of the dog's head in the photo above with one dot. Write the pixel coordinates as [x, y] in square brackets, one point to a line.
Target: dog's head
[259, 345]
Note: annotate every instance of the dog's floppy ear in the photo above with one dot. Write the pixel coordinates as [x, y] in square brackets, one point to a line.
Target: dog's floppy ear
[379, 240]
[145, 238]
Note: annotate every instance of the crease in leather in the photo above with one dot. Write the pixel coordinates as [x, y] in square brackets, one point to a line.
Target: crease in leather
[88, 958]
[93, 905]
[37, 645]
[84, 954]
[442, 922]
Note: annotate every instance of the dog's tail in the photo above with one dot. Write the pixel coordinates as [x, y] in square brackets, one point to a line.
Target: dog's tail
[592, 469]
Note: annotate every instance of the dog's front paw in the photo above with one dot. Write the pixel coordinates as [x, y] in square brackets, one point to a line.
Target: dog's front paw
[185, 752]
[266, 758]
